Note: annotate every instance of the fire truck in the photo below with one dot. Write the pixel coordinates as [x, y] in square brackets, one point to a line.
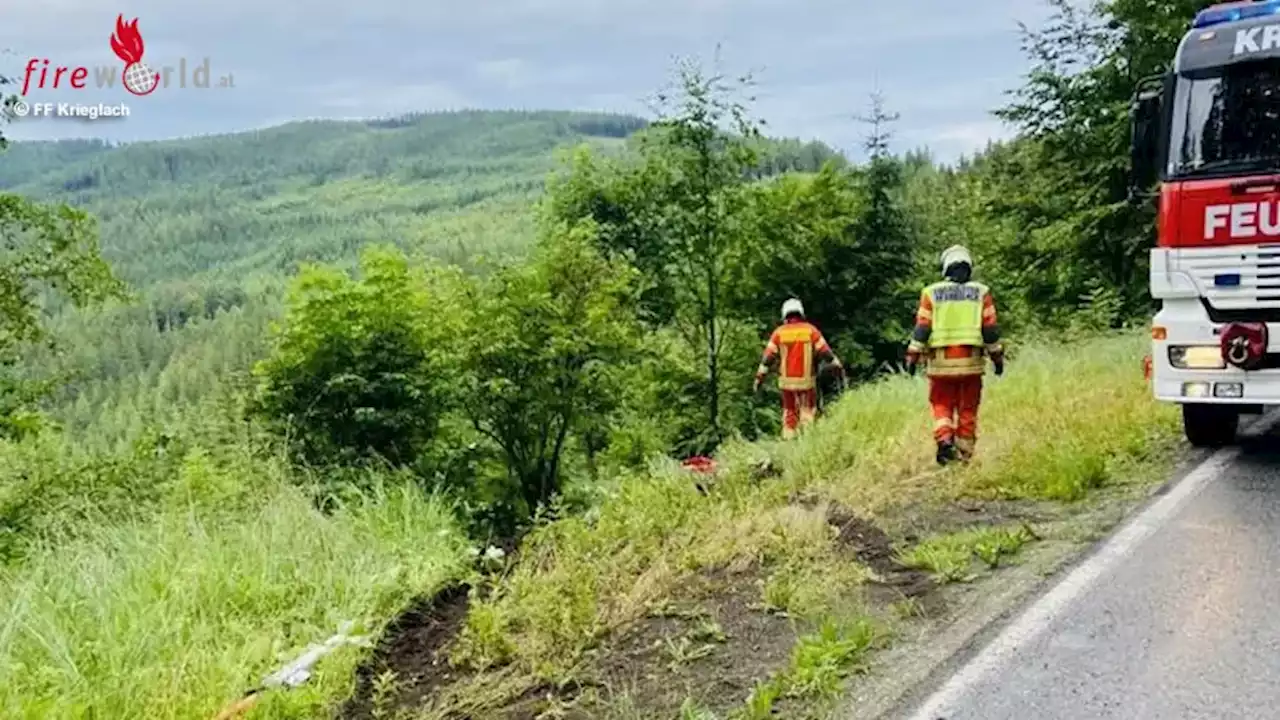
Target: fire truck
[1207, 135]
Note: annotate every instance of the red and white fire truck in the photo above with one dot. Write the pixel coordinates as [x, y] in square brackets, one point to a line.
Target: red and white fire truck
[1208, 132]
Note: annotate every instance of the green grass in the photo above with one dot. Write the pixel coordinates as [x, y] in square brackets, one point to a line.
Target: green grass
[175, 616]
[950, 556]
[819, 664]
[1064, 420]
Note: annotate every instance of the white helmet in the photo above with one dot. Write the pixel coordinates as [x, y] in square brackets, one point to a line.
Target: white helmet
[955, 254]
[792, 307]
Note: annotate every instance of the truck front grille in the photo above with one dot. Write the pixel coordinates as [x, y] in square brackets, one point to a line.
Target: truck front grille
[1238, 282]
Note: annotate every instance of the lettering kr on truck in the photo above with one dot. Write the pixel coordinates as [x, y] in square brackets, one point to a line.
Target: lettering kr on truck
[1257, 39]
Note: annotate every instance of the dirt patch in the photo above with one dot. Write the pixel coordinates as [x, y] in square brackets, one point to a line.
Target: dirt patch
[711, 644]
[414, 648]
[874, 548]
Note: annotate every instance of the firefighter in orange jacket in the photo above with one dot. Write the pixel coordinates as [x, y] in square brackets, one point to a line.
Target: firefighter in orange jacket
[796, 345]
[954, 333]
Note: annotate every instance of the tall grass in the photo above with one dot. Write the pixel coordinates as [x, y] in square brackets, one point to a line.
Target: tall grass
[1063, 420]
[174, 615]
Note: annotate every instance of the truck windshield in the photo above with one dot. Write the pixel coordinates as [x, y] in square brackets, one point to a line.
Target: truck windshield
[1227, 120]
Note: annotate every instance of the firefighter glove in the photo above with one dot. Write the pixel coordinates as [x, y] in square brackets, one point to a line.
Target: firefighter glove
[998, 361]
[911, 368]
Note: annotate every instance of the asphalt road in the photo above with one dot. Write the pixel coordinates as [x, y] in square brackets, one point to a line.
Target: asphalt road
[1177, 616]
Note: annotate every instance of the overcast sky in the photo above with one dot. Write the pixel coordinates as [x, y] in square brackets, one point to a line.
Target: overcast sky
[942, 65]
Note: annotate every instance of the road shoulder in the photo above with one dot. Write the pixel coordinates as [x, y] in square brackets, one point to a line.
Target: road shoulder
[977, 613]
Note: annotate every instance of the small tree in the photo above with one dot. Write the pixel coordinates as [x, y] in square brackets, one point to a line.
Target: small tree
[355, 371]
[546, 351]
[708, 140]
[677, 212]
[1065, 187]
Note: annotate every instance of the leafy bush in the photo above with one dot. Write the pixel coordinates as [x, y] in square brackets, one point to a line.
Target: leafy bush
[356, 372]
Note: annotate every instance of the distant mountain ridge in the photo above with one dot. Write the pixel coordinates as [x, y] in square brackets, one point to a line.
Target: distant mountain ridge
[451, 184]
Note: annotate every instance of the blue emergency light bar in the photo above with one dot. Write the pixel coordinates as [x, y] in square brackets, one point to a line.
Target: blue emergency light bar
[1231, 12]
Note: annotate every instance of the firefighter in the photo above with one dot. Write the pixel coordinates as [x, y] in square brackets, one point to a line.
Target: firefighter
[796, 345]
[955, 332]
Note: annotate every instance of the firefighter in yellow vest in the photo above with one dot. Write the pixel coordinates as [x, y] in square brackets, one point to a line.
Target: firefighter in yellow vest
[796, 345]
[955, 332]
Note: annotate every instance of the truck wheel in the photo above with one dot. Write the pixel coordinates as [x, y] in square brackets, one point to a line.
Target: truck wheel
[1208, 425]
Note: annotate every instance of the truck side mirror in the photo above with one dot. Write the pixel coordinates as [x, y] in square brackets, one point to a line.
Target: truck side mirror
[1145, 114]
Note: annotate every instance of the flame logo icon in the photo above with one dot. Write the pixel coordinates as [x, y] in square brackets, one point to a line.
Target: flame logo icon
[127, 44]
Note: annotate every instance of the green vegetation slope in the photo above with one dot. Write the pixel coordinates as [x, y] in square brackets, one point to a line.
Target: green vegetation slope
[191, 527]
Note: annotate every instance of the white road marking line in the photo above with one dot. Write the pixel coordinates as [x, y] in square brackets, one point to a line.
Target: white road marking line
[1037, 618]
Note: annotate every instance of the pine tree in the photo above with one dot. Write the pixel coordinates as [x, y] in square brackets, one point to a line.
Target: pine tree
[884, 230]
[877, 141]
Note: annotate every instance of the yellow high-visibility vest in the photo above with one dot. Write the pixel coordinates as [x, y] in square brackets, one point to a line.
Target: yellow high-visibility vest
[957, 313]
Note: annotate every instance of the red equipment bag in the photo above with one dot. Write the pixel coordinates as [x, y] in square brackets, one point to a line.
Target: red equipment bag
[700, 464]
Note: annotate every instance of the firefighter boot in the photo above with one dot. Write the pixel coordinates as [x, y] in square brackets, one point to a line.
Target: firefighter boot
[946, 452]
[964, 449]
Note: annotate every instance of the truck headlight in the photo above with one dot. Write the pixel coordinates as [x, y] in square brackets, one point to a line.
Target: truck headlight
[1196, 357]
[1195, 389]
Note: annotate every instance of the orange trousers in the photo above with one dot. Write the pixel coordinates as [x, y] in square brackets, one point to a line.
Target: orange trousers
[798, 408]
[955, 401]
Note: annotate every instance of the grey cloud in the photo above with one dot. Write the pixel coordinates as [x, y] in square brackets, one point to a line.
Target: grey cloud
[942, 67]
[509, 72]
[360, 100]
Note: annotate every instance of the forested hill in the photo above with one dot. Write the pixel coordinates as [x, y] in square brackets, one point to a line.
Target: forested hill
[267, 199]
[452, 184]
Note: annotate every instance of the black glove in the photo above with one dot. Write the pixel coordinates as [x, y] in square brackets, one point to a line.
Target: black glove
[911, 369]
[998, 361]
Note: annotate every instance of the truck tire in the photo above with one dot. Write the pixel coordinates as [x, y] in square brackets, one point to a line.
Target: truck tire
[1207, 425]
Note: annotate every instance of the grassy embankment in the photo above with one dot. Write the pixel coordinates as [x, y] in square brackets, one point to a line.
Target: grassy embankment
[804, 558]
[660, 598]
[226, 572]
